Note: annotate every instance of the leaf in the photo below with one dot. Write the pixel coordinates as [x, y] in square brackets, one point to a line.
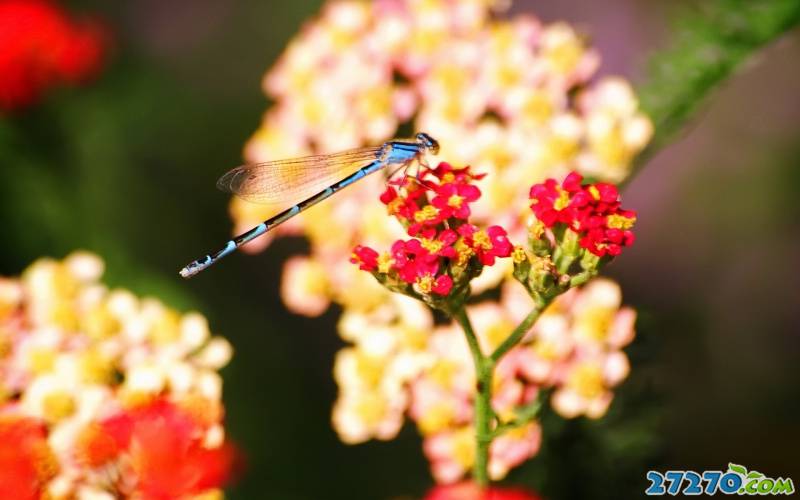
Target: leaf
[754, 475]
[708, 44]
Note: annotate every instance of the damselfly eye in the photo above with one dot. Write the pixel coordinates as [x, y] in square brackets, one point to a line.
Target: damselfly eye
[428, 142]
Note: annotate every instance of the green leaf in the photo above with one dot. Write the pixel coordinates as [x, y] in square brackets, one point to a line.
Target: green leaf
[754, 475]
[708, 44]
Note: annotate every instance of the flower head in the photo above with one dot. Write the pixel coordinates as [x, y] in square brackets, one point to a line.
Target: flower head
[445, 250]
[591, 210]
[97, 380]
[42, 47]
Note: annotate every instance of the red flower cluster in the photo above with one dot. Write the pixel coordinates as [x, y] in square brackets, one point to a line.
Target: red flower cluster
[26, 461]
[435, 208]
[40, 47]
[161, 445]
[591, 210]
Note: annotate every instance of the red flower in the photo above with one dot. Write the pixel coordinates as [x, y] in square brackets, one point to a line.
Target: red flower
[412, 261]
[446, 173]
[434, 208]
[470, 491]
[440, 245]
[453, 199]
[592, 210]
[551, 203]
[163, 445]
[26, 462]
[40, 47]
[488, 244]
[365, 257]
[442, 285]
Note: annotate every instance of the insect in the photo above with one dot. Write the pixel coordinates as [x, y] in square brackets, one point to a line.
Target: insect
[303, 182]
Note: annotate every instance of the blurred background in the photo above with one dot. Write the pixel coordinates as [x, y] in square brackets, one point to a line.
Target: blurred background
[126, 167]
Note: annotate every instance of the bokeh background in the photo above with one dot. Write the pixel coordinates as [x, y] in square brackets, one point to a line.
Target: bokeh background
[126, 167]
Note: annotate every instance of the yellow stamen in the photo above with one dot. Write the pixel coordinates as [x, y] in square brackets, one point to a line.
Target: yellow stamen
[463, 251]
[385, 262]
[455, 201]
[433, 246]
[394, 206]
[594, 192]
[537, 230]
[519, 255]
[425, 283]
[482, 240]
[562, 201]
[617, 221]
[429, 212]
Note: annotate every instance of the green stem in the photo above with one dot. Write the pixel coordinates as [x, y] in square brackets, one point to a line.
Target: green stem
[484, 369]
[524, 415]
[518, 332]
[484, 372]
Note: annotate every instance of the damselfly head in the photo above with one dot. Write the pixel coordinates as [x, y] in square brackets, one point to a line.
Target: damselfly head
[428, 143]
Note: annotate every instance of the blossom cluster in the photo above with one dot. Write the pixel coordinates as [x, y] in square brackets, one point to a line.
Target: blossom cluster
[401, 364]
[103, 394]
[592, 210]
[513, 97]
[41, 47]
[434, 207]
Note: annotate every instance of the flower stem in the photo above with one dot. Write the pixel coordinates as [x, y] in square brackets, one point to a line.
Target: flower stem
[483, 424]
[484, 372]
[484, 369]
[518, 332]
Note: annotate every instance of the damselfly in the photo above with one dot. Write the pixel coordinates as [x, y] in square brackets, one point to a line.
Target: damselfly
[303, 182]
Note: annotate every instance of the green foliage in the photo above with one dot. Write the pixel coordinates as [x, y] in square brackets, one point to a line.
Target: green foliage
[708, 44]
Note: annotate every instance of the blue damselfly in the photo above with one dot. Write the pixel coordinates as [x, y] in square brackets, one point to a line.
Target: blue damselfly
[302, 182]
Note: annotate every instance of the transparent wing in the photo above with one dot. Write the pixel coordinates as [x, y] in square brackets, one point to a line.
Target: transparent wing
[286, 182]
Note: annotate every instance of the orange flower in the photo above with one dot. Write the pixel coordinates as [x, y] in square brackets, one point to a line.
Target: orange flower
[26, 462]
[165, 447]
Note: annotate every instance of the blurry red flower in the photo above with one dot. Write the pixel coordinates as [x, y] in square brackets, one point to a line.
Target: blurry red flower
[163, 444]
[26, 462]
[40, 47]
[471, 491]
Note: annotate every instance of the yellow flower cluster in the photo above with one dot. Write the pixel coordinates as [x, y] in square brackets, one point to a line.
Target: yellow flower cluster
[73, 352]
